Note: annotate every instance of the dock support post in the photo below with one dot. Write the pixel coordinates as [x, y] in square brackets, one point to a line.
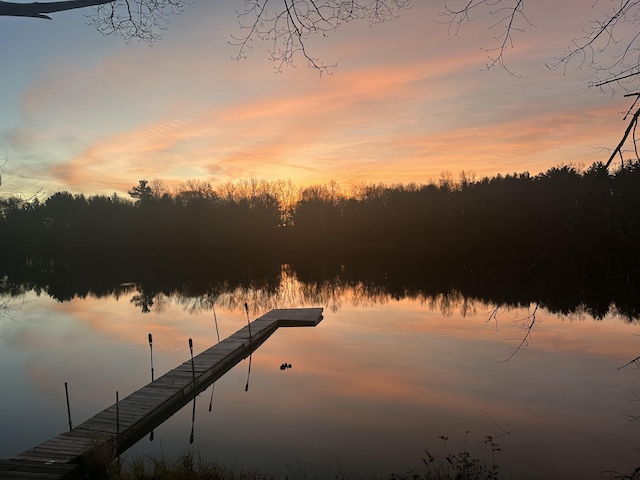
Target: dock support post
[118, 429]
[151, 349]
[117, 419]
[193, 367]
[66, 391]
[246, 309]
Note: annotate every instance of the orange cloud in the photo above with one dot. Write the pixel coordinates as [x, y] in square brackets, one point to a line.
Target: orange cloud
[406, 103]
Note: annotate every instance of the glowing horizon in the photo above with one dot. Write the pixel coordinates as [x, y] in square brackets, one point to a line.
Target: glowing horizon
[89, 114]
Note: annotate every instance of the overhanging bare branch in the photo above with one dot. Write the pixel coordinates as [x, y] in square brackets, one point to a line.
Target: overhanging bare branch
[508, 18]
[288, 24]
[39, 10]
[607, 48]
[143, 20]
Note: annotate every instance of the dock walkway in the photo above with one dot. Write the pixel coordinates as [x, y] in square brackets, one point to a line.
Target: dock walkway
[145, 409]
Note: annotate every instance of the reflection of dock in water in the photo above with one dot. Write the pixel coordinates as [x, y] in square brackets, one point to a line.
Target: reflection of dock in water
[148, 407]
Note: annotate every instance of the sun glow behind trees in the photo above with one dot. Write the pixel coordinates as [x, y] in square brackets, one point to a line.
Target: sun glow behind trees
[405, 102]
[580, 225]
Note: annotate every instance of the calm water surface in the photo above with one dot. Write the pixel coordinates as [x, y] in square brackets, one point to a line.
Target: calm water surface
[370, 388]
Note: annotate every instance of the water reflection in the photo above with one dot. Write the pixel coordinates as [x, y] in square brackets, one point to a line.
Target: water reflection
[193, 420]
[373, 386]
[364, 278]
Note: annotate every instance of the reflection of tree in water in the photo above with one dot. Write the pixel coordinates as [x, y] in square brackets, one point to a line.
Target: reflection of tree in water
[450, 302]
[332, 294]
[337, 287]
[478, 239]
[161, 302]
[144, 301]
[365, 279]
[8, 305]
[11, 298]
[148, 301]
[198, 304]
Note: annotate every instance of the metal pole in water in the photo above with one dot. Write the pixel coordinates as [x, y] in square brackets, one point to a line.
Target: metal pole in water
[117, 420]
[66, 391]
[193, 367]
[118, 427]
[246, 309]
[151, 349]
[215, 319]
[193, 421]
[213, 387]
[246, 387]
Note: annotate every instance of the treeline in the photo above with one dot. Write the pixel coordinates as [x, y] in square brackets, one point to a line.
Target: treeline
[564, 238]
[195, 216]
[567, 214]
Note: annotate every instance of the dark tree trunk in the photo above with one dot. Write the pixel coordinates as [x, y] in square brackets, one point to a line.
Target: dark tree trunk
[39, 10]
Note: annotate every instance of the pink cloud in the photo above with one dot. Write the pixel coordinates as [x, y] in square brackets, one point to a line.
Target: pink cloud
[406, 103]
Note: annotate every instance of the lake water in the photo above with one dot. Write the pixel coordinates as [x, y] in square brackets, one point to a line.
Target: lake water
[370, 388]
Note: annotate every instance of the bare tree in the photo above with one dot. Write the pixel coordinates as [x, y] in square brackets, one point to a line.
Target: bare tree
[289, 23]
[609, 46]
[505, 19]
[40, 10]
[621, 65]
[141, 19]
[286, 24]
[17, 196]
[136, 19]
[158, 188]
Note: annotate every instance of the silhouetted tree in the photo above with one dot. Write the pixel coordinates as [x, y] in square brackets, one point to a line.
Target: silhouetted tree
[513, 223]
[158, 188]
[195, 191]
[141, 192]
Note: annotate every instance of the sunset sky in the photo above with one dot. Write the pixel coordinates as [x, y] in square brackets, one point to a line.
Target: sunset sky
[407, 101]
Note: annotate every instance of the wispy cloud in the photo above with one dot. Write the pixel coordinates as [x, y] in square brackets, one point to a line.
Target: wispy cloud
[406, 103]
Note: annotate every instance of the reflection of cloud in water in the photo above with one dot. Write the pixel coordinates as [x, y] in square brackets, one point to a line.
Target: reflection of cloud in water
[377, 371]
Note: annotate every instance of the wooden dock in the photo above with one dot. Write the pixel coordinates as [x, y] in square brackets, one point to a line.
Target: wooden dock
[145, 409]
